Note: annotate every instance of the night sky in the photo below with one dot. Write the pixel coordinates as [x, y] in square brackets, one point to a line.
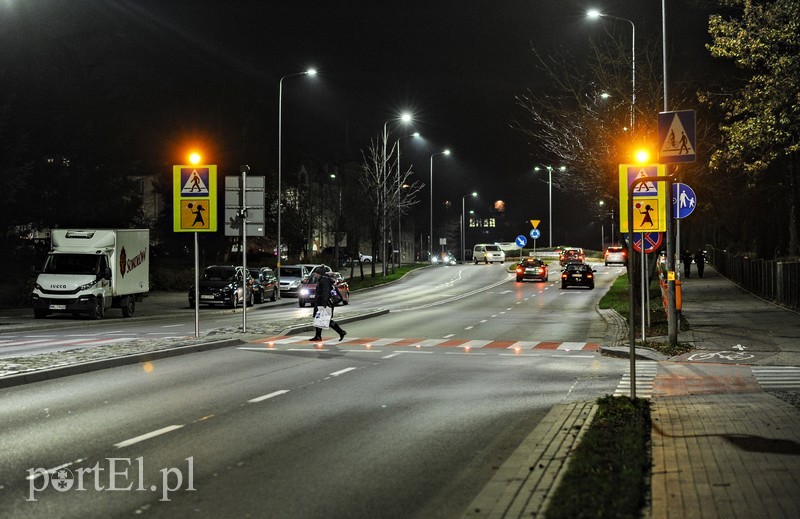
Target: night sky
[106, 81]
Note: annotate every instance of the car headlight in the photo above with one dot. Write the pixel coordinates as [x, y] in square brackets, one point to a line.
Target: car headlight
[294, 284]
[304, 291]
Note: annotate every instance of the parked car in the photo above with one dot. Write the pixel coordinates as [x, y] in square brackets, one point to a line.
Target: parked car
[488, 253]
[363, 258]
[444, 258]
[571, 255]
[265, 284]
[531, 268]
[291, 276]
[578, 275]
[616, 254]
[308, 290]
[222, 285]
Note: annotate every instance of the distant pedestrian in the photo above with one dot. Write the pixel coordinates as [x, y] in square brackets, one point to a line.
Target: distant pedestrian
[700, 259]
[686, 258]
[322, 299]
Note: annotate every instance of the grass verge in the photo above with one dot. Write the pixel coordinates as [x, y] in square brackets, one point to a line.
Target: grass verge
[356, 282]
[617, 299]
[608, 474]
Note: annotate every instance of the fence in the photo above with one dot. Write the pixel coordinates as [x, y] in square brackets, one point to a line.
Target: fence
[775, 280]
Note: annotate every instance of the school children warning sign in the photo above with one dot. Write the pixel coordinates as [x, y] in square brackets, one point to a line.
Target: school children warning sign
[194, 198]
[649, 202]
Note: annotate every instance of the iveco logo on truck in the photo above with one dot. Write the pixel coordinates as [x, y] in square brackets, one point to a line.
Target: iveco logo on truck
[58, 286]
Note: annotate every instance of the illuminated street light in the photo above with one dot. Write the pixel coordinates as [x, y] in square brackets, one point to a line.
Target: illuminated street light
[594, 13]
[430, 238]
[405, 117]
[464, 225]
[550, 196]
[399, 199]
[195, 158]
[309, 72]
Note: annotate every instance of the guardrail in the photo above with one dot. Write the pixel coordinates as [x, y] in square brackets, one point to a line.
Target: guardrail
[776, 280]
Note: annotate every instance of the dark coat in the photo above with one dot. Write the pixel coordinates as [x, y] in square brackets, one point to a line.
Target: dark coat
[322, 296]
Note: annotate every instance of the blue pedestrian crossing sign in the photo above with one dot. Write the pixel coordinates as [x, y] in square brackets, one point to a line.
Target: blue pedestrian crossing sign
[676, 137]
[536, 234]
[683, 200]
[521, 241]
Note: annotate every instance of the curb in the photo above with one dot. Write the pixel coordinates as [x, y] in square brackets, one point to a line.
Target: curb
[113, 362]
[125, 360]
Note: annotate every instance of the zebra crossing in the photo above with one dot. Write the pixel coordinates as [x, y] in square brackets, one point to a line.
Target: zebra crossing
[777, 377]
[645, 379]
[290, 342]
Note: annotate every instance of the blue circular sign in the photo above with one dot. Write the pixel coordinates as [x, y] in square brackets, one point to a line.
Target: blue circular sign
[683, 200]
[521, 241]
[535, 234]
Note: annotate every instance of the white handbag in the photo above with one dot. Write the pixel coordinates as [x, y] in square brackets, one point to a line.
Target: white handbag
[322, 319]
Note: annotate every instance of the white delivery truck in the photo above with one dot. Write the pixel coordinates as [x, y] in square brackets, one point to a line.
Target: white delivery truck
[89, 271]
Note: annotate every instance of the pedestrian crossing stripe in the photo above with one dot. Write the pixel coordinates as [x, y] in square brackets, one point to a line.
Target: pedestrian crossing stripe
[465, 344]
[777, 377]
[645, 380]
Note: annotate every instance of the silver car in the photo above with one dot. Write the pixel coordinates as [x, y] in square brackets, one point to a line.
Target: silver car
[616, 254]
[291, 277]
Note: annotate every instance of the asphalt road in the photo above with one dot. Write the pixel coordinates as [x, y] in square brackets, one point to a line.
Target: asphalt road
[298, 431]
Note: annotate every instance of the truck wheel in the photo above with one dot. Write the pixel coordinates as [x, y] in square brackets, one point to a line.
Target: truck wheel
[128, 306]
[97, 309]
[39, 313]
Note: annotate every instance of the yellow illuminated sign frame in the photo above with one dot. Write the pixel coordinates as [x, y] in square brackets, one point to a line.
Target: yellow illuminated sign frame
[658, 202]
[194, 211]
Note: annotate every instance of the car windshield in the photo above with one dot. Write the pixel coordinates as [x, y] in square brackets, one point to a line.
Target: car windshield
[493, 248]
[219, 274]
[291, 272]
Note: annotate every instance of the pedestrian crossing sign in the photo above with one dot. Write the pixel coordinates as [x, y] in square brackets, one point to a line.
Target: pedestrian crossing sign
[676, 137]
[194, 198]
[649, 204]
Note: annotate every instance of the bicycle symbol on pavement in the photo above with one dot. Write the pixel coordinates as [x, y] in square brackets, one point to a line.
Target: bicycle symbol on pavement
[726, 355]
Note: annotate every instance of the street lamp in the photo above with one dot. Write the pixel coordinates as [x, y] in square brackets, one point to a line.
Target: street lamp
[594, 13]
[399, 201]
[464, 225]
[309, 72]
[550, 196]
[406, 118]
[430, 238]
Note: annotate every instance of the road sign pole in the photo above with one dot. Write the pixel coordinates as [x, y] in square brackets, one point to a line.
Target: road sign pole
[631, 292]
[196, 286]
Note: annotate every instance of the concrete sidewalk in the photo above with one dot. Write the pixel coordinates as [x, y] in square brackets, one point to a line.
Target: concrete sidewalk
[726, 432]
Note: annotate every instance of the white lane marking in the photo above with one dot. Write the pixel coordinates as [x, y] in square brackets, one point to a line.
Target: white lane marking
[308, 349]
[143, 437]
[569, 346]
[362, 351]
[483, 320]
[342, 372]
[392, 355]
[448, 335]
[456, 298]
[171, 325]
[267, 396]
[469, 327]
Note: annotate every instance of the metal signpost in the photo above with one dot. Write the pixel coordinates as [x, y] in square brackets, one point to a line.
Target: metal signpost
[194, 203]
[244, 213]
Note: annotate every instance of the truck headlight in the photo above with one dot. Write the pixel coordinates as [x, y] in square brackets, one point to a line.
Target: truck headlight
[87, 286]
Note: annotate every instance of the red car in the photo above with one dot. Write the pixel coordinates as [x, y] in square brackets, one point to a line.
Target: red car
[308, 290]
[531, 268]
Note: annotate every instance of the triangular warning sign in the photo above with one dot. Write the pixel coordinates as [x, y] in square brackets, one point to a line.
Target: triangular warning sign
[194, 184]
[676, 142]
[644, 187]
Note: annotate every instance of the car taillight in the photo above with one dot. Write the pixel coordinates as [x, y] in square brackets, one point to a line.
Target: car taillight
[564, 275]
[589, 276]
[519, 269]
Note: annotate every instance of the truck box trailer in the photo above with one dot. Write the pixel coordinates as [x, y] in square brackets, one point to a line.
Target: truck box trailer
[89, 271]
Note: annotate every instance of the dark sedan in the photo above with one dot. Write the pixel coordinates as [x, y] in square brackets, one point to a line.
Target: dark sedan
[265, 284]
[308, 290]
[577, 275]
[531, 268]
[222, 285]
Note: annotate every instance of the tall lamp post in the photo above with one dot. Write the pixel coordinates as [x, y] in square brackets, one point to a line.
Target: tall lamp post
[550, 197]
[430, 238]
[597, 14]
[464, 225]
[405, 117]
[309, 72]
[399, 199]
